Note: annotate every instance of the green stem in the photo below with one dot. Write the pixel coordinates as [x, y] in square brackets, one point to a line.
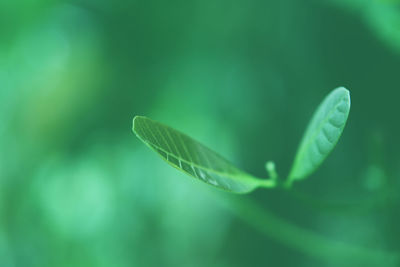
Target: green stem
[267, 183]
[303, 240]
[288, 183]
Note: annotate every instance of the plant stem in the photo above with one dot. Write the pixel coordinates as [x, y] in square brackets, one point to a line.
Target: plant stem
[303, 240]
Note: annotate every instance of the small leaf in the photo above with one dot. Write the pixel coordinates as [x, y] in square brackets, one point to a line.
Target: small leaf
[322, 134]
[193, 158]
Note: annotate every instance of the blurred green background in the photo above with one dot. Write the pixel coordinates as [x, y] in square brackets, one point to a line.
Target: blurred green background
[77, 188]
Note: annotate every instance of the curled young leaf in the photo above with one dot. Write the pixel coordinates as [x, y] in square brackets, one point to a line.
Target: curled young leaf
[322, 134]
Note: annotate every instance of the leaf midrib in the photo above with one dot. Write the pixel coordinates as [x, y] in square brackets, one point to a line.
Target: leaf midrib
[240, 173]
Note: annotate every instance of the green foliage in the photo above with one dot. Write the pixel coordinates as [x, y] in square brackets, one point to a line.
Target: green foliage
[196, 160]
[383, 17]
[193, 158]
[322, 134]
[244, 77]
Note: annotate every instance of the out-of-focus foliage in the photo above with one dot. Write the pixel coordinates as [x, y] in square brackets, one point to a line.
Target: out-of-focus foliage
[78, 189]
[383, 16]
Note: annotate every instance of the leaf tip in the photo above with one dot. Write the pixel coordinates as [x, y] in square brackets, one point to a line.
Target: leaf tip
[342, 88]
[135, 121]
[343, 91]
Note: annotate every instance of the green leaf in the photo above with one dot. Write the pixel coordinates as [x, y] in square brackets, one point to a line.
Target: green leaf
[193, 158]
[322, 134]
